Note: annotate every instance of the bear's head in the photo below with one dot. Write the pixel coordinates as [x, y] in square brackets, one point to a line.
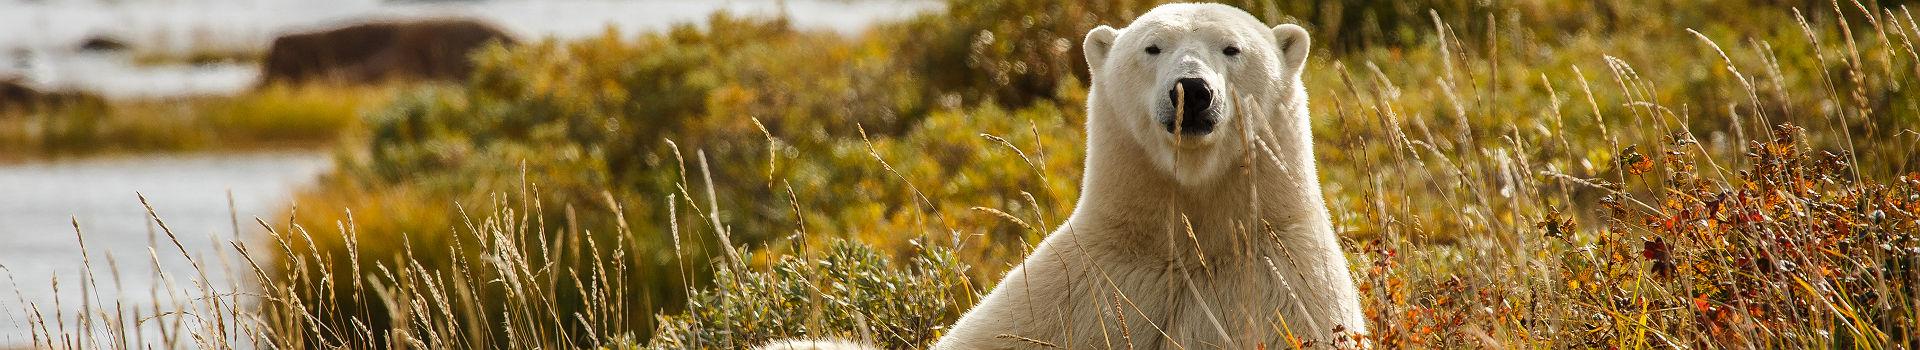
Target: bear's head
[1189, 84]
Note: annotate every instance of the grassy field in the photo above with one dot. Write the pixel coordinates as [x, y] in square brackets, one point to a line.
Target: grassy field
[1530, 174]
[270, 117]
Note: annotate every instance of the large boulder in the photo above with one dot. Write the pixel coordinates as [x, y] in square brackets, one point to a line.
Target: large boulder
[380, 51]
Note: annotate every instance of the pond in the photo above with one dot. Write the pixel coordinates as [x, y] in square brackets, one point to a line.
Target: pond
[198, 196]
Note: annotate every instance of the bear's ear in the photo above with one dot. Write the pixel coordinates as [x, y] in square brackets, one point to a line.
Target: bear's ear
[1099, 41]
[1293, 44]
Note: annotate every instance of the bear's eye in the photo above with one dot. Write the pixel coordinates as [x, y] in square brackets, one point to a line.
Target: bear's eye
[1230, 51]
[1153, 50]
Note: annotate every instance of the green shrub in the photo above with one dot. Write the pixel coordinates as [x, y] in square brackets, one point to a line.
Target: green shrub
[722, 123]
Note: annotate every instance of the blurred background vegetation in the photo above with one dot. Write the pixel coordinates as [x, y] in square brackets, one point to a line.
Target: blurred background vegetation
[268, 118]
[706, 166]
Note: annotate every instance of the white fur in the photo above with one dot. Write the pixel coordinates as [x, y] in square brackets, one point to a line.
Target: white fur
[1262, 259]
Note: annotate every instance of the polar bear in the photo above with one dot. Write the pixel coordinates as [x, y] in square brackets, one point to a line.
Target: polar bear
[1200, 222]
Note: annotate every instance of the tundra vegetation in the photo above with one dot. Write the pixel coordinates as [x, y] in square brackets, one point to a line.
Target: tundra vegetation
[1626, 174]
[271, 117]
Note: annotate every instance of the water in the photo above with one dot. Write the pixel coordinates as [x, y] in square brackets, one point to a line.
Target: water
[39, 203]
[38, 38]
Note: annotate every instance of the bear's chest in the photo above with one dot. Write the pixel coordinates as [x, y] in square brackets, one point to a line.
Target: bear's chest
[1227, 303]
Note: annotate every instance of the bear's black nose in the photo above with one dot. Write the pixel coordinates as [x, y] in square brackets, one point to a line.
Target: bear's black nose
[1193, 98]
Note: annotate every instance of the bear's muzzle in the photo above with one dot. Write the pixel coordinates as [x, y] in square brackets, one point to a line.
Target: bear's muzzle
[1193, 104]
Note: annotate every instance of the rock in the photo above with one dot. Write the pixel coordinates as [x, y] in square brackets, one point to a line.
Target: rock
[18, 96]
[380, 51]
[101, 43]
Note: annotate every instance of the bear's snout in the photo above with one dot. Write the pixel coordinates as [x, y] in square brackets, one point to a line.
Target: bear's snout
[1193, 100]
